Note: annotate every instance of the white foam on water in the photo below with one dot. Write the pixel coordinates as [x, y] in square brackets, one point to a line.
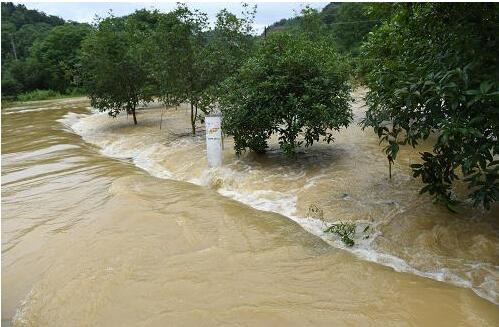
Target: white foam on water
[363, 246]
[313, 180]
[20, 314]
[142, 159]
[490, 285]
[20, 111]
[70, 120]
[226, 180]
[272, 201]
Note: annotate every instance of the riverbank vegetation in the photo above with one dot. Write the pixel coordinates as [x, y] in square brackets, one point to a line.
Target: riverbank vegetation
[431, 71]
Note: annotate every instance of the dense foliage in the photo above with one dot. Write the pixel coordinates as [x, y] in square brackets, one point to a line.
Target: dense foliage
[228, 46]
[21, 27]
[114, 71]
[432, 69]
[39, 51]
[172, 56]
[57, 56]
[350, 25]
[293, 87]
[346, 24]
[176, 44]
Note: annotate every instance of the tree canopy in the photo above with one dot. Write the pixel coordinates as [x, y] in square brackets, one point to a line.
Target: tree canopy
[173, 56]
[39, 51]
[294, 87]
[21, 27]
[57, 55]
[432, 70]
[114, 75]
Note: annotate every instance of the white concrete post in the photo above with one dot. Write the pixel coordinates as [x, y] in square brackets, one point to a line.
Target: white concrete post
[214, 140]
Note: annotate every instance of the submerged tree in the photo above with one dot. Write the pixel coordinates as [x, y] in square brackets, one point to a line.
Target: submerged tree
[114, 69]
[294, 87]
[176, 44]
[432, 69]
[228, 46]
[189, 61]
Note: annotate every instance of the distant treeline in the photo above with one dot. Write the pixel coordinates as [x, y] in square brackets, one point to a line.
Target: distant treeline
[42, 52]
[39, 51]
[347, 24]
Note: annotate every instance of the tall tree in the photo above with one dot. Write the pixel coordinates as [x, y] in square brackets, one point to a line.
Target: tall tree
[177, 44]
[114, 72]
[228, 47]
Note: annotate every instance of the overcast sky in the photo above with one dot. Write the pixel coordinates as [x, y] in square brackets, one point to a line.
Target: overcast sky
[267, 12]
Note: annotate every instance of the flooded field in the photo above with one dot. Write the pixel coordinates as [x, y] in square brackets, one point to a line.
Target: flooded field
[106, 223]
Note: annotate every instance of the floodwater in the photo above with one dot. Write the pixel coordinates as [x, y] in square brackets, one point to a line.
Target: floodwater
[109, 224]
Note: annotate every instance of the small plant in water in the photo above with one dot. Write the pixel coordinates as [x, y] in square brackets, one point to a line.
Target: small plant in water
[345, 231]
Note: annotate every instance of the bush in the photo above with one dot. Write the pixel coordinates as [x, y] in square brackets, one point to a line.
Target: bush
[346, 232]
[294, 87]
[10, 85]
[432, 69]
[37, 95]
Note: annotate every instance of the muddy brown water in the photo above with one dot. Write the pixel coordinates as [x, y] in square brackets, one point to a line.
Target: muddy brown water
[109, 224]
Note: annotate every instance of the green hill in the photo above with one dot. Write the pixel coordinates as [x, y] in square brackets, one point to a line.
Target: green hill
[346, 22]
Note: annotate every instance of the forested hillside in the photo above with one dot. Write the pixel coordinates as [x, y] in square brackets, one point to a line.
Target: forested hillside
[21, 27]
[346, 23]
[39, 51]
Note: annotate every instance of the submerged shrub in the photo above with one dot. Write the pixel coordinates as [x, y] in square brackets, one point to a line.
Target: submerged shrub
[346, 232]
[432, 68]
[294, 87]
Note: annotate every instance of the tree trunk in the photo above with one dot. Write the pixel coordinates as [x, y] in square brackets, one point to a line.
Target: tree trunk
[161, 121]
[134, 117]
[13, 46]
[291, 134]
[193, 118]
[390, 160]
